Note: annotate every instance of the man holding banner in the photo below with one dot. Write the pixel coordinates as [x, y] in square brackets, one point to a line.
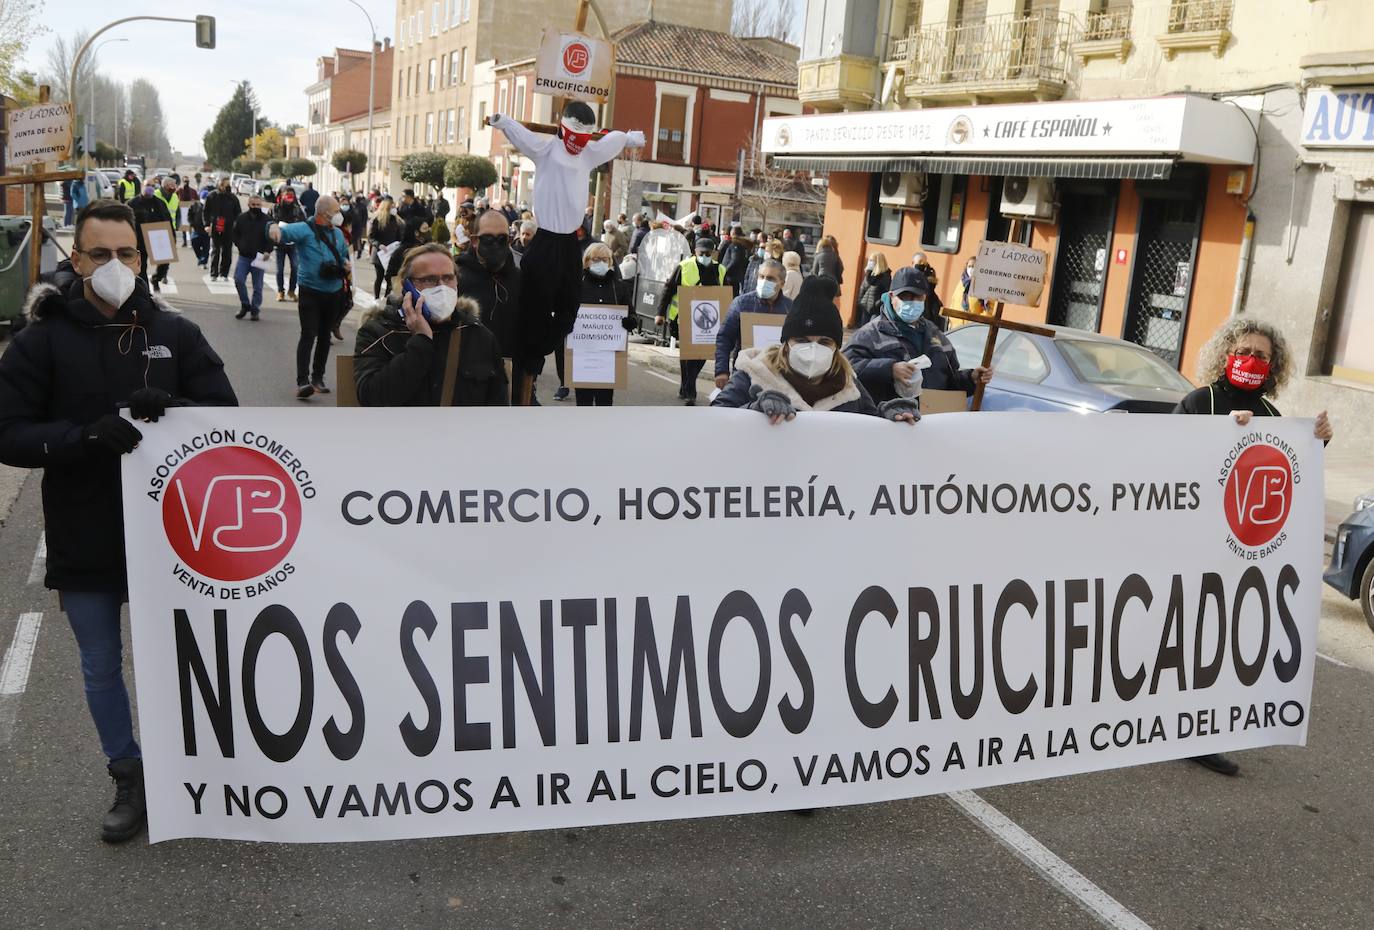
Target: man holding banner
[99, 342]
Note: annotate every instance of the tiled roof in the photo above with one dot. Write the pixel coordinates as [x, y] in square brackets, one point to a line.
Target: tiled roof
[702, 51]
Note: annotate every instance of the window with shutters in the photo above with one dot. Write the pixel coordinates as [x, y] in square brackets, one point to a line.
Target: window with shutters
[912, 22]
[463, 65]
[459, 127]
[502, 99]
[443, 69]
[672, 127]
[520, 99]
[443, 116]
[433, 73]
[970, 11]
[429, 129]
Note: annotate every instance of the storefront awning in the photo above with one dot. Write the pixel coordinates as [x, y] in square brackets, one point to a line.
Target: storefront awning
[1065, 138]
[1151, 168]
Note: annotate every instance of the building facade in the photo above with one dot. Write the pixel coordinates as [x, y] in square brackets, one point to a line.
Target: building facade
[1157, 150]
[441, 43]
[338, 105]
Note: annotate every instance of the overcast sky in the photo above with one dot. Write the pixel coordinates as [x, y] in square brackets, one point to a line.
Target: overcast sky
[271, 43]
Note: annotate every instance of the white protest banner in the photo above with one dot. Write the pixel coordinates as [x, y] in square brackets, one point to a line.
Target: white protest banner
[39, 134]
[574, 65]
[338, 639]
[1008, 272]
[598, 327]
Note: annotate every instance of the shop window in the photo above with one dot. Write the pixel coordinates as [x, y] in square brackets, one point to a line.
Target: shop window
[884, 223]
[942, 219]
[1351, 340]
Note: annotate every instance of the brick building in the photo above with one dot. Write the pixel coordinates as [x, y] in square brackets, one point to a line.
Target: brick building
[337, 108]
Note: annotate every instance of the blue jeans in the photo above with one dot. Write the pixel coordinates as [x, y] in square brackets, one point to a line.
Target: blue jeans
[283, 254]
[94, 617]
[241, 272]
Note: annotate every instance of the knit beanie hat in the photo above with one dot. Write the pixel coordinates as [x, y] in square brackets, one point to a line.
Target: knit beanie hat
[813, 311]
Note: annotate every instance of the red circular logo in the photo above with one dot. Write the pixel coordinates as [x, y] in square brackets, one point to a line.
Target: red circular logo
[1259, 495]
[231, 513]
[576, 57]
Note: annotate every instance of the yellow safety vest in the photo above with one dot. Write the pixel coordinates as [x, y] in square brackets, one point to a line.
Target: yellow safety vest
[691, 277]
[173, 206]
[129, 188]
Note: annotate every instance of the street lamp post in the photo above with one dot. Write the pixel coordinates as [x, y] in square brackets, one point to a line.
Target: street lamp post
[371, 92]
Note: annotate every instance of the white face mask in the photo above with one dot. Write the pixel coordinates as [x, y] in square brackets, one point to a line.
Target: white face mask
[599, 269]
[440, 301]
[337, 219]
[113, 282]
[810, 359]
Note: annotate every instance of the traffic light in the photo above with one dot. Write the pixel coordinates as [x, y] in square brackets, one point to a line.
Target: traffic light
[205, 32]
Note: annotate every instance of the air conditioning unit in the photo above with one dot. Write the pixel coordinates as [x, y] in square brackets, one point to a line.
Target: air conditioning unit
[903, 189]
[1033, 198]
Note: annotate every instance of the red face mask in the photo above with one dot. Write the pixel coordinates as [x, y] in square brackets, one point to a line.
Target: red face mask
[1246, 372]
[574, 142]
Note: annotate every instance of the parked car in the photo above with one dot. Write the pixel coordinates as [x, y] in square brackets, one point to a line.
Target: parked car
[1075, 371]
[1351, 571]
[245, 185]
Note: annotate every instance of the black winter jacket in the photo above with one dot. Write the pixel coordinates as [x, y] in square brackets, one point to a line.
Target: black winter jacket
[498, 296]
[1222, 397]
[285, 212]
[65, 370]
[880, 343]
[394, 368]
[610, 288]
[222, 205]
[871, 293]
[250, 234]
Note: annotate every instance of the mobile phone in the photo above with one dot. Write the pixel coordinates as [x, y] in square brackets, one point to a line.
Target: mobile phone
[408, 288]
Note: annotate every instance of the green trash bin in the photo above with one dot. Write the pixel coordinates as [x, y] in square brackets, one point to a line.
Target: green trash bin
[14, 265]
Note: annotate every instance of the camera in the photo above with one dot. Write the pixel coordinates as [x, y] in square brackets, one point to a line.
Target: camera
[331, 271]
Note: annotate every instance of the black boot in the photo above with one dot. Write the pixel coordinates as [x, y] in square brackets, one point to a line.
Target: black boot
[130, 808]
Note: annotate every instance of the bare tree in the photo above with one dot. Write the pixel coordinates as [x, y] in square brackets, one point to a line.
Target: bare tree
[768, 19]
[765, 186]
[147, 127]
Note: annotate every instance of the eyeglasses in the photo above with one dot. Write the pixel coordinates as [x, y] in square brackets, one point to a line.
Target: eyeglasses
[128, 255]
[1245, 351]
[434, 280]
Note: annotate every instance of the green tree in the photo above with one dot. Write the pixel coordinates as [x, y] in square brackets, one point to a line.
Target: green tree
[226, 139]
[349, 160]
[247, 166]
[20, 24]
[471, 171]
[423, 168]
[300, 168]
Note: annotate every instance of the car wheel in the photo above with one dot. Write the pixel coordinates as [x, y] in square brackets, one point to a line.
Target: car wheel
[1366, 592]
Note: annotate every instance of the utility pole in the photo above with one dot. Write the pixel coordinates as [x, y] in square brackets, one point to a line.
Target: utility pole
[371, 93]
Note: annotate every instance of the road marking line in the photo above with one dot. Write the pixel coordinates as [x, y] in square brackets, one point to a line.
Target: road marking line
[14, 672]
[1108, 911]
[1333, 661]
[650, 371]
[40, 560]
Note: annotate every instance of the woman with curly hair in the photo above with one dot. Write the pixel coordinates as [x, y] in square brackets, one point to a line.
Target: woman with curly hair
[1242, 366]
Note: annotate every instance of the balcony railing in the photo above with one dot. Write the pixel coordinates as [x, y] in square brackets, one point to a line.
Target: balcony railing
[1002, 56]
[1199, 15]
[1112, 24]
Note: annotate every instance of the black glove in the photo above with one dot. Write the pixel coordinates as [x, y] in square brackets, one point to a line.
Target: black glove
[630, 322]
[770, 403]
[892, 409]
[112, 432]
[149, 403]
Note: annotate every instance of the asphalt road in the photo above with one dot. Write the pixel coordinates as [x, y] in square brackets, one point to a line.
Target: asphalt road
[1287, 845]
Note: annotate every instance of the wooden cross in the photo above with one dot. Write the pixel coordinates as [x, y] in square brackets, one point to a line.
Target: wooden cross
[995, 324]
[35, 179]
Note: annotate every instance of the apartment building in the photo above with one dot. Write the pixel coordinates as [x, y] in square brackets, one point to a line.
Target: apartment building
[441, 43]
[337, 115]
[1180, 160]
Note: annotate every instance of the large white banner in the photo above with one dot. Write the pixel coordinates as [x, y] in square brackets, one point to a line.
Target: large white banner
[369, 624]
